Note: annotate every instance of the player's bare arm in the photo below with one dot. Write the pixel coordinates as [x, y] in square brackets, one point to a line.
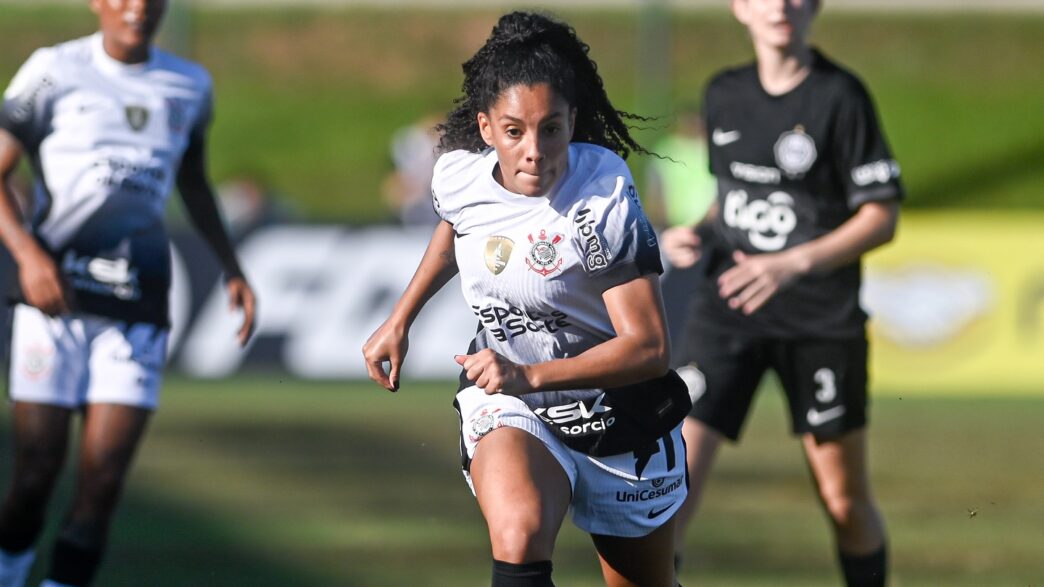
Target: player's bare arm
[756, 278]
[200, 203]
[640, 350]
[41, 284]
[390, 342]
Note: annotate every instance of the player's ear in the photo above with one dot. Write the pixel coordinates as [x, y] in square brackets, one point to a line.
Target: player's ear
[485, 128]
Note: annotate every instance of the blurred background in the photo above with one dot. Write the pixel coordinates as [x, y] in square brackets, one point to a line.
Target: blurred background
[280, 465]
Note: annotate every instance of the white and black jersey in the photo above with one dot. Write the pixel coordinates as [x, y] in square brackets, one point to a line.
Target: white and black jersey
[105, 140]
[791, 168]
[533, 269]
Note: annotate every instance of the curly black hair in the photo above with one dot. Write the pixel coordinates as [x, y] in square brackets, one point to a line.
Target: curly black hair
[527, 48]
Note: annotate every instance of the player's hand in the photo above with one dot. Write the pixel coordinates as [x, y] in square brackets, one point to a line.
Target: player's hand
[493, 373]
[241, 297]
[682, 246]
[756, 278]
[388, 344]
[42, 284]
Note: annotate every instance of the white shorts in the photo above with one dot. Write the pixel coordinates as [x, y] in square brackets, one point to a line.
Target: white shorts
[81, 359]
[627, 495]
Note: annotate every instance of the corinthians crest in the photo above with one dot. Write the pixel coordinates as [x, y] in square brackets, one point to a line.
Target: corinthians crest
[543, 256]
[137, 117]
[795, 151]
[498, 251]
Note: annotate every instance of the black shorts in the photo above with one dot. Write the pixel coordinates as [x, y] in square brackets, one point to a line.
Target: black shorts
[824, 379]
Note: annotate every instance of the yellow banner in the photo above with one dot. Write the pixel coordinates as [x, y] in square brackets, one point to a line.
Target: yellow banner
[957, 305]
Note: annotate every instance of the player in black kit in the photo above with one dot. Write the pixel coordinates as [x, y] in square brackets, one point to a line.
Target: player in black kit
[806, 185]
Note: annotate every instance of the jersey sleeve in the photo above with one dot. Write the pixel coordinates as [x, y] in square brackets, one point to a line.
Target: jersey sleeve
[26, 111]
[451, 176]
[611, 235]
[864, 161]
[715, 162]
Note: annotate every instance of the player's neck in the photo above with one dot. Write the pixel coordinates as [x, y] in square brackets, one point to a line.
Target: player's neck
[125, 54]
[782, 70]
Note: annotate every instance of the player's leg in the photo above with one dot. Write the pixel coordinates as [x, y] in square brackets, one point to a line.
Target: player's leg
[125, 364]
[44, 382]
[825, 382]
[723, 372]
[628, 504]
[522, 477]
[524, 495]
[111, 434]
[843, 481]
[41, 435]
[647, 561]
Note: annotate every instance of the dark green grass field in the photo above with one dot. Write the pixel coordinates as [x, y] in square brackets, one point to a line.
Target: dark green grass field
[269, 482]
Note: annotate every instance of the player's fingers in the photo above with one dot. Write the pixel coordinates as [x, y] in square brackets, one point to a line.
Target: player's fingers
[460, 359]
[734, 280]
[758, 300]
[375, 370]
[746, 293]
[248, 304]
[393, 373]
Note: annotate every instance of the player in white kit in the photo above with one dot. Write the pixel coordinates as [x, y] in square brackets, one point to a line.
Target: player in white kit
[566, 401]
[108, 124]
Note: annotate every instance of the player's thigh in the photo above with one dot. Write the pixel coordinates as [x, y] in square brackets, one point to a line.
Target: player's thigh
[520, 473]
[126, 363]
[110, 438]
[646, 561]
[41, 438]
[48, 358]
[723, 371]
[839, 465]
[825, 383]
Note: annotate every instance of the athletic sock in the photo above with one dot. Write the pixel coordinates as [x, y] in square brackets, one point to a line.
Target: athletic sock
[866, 570]
[15, 566]
[73, 565]
[534, 574]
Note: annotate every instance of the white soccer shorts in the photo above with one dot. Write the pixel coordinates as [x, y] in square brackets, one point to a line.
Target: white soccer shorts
[79, 359]
[627, 495]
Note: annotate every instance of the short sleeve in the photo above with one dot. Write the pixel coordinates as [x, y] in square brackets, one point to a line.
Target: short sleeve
[864, 162]
[611, 235]
[26, 111]
[452, 176]
[715, 162]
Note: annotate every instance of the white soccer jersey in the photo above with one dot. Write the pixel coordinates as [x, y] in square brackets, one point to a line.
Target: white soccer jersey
[105, 140]
[533, 269]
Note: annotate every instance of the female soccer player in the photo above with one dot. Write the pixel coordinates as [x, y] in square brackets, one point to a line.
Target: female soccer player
[566, 400]
[806, 185]
[109, 124]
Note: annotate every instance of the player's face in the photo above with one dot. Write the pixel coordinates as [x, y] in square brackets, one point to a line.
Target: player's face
[780, 24]
[128, 25]
[530, 127]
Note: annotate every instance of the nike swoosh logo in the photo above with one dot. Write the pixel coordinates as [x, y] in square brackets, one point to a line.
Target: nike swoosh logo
[722, 138]
[654, 512]
[817, 418]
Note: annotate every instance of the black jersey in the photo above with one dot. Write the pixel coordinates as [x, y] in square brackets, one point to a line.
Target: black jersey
[790, 169]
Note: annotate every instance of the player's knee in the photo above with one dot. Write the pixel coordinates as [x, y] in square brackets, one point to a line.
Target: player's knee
[33, 483]
[520, 543]
[848, 511]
